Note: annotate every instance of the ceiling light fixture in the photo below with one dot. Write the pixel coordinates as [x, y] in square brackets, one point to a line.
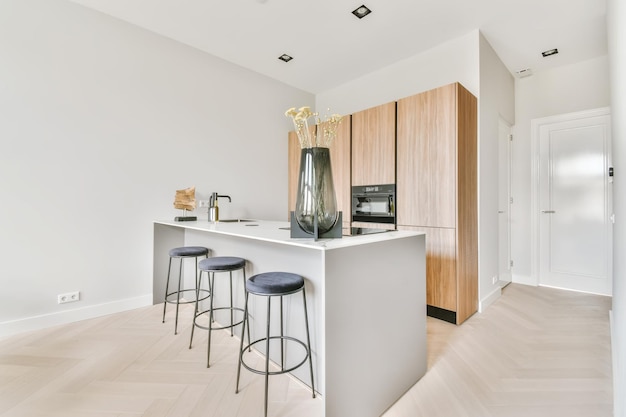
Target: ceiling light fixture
[526, 72]
[550, 52]
[285, 58]
[361, 11]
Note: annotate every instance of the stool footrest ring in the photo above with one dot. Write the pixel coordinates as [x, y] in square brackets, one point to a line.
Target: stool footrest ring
[282, 371]
[202, 291]
[216, 309]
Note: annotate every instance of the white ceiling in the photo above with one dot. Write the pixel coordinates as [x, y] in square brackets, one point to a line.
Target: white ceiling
[331, 46]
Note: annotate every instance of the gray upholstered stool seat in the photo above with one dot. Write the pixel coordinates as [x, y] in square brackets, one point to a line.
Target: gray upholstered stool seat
[211, 266]
[182, 253]
[185, 251]
[274, 284]
[222, 263]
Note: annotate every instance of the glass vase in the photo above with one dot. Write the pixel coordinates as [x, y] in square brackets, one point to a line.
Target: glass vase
[316, 201]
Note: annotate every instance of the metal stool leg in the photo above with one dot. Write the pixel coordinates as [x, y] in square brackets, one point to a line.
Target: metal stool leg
[180, 277]
[246, 313]
[267, 353]
[211, 318]
[193, 323]
[243, 331]
[282, 340]
[231, 303]
[167, 285]
[308, 339]
[198, 276]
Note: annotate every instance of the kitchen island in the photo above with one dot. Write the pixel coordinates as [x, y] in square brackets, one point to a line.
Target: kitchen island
[366, 298]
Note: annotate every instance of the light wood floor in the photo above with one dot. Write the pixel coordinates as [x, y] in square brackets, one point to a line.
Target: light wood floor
[534, 352]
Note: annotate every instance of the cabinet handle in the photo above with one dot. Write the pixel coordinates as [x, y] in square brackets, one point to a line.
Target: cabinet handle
[548, 211]
[500, 211]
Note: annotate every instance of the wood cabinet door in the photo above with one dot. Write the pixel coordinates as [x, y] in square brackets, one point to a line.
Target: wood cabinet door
[426, 158]
[293, 168]
[467, 201]
[374, 145]
[341, 167]
[441, 277]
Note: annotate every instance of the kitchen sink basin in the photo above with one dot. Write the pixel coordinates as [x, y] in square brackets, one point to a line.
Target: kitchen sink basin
[235, 220]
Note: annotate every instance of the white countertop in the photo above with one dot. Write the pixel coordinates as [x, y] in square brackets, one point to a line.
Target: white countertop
[278, 232]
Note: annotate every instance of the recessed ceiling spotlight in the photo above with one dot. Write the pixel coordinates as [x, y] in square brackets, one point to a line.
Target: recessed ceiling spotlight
[361, 11]
[526, 72]
[285, 58]
[550, 52]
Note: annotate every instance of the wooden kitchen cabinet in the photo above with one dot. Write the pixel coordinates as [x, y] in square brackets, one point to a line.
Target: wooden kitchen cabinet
[440, 265]
[427, 159]
[374, 145]
[340, 165]
[437, 193]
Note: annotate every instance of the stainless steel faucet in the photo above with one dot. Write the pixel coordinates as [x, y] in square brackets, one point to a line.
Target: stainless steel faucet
[214, 212]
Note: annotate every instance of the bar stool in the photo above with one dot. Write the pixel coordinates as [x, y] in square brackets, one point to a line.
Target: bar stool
[274, 284]
[182, 253]
[211, 266]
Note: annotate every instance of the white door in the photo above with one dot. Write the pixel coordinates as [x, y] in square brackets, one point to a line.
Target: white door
[575, 229]
[504, 203]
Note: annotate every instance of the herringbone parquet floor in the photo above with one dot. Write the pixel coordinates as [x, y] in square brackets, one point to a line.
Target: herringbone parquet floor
[535, 352]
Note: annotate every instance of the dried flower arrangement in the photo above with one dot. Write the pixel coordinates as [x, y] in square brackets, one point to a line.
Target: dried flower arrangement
[325, 131]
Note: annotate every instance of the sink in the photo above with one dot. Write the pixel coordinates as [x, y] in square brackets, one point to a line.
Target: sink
[235, 220]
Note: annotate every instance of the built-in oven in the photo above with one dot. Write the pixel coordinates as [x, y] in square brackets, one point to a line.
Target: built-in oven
[374, 203]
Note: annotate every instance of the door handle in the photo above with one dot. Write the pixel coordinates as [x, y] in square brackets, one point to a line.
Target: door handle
[548, 211]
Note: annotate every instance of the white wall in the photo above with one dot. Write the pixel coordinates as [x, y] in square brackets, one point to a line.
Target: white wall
[447, 63]
[616, 17]
[566, 89]
[497, 100]
[100, 123]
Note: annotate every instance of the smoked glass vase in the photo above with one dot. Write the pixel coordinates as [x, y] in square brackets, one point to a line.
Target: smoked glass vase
[316, 204]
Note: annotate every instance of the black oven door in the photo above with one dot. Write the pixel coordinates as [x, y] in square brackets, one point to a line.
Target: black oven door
[373, 204]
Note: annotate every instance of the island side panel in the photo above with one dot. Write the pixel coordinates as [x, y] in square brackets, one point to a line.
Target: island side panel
[375, 325]
[164, 238]
[263, 256]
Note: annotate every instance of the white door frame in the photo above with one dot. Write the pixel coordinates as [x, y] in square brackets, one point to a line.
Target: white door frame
[502, 123]
[536, 125]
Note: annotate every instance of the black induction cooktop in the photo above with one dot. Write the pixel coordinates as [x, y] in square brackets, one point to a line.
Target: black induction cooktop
[356, 231]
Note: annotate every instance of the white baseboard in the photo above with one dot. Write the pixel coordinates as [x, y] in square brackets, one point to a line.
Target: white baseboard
[524, 279]
[9, 328]
[489, 299]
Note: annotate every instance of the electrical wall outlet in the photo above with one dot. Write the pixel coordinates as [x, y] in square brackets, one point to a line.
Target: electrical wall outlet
[203, 203]
[68, 297]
